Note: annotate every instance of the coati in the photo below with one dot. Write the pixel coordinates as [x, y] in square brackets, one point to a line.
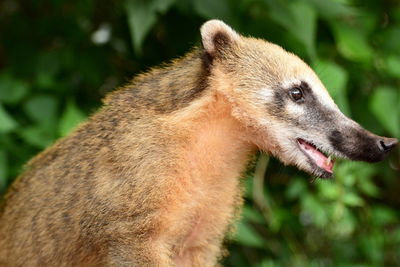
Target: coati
[152, 178]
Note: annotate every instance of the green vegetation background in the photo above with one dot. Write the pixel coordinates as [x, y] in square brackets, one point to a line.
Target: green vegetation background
[58, 58]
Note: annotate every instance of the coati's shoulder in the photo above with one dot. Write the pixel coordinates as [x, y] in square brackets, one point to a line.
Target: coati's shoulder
[166, 88]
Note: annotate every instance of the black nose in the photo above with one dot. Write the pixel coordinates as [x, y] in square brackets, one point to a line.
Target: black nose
[387, 144]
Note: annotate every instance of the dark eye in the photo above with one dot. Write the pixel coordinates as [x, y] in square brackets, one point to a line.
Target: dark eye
[296, 94]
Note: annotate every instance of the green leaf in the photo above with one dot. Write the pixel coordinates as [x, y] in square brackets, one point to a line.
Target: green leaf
[391, 39]
[335, 78]
[351, 43]
[382, 215]
[393, 66]
[373, 246]
[299, 18]
[142, 15]
[38, 136]
[42, 109]
[311, 205]
[328, 190]
[70, 118]
[252, 215]
[7, 123]
[267, 263]
[211, 9]
[338, 209]
[345, 225]
[304, 25]
[384, 104]
[368, 187]
[353, 200]
[333, 9]
[245, 235]
[350, 172]
[11, 90]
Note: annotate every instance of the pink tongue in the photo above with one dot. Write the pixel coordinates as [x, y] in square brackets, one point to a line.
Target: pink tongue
[320, 159]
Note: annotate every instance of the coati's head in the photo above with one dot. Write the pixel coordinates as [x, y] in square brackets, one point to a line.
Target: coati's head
[282, 102]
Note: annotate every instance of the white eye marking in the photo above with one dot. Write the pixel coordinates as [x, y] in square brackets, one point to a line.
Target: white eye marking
[294, 109]
[266, 93]
[290, 83]
[319, 90]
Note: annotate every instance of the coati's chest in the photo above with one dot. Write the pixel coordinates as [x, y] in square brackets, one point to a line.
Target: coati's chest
[206, 192]
[205, 209]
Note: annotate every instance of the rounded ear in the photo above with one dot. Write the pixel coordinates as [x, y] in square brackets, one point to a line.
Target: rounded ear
[216, 35]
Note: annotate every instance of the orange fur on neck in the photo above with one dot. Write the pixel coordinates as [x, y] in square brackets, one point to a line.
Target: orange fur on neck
[214, 155]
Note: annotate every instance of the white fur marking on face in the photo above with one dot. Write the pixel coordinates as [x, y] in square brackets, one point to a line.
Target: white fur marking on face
[318, 88]
[266, 94]
[290, 82]
[294, 109]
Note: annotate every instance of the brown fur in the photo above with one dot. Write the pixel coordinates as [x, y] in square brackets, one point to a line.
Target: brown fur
[152, 178]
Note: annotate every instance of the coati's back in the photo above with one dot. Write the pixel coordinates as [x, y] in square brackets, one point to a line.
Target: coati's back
[68, 204]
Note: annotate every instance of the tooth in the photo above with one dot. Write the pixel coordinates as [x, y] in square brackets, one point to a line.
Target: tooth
[329, 160]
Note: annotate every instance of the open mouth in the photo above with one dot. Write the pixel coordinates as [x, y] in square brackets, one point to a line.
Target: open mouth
[317, 157]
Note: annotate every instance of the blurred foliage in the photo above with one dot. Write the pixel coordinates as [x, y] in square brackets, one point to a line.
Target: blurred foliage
[58, 58]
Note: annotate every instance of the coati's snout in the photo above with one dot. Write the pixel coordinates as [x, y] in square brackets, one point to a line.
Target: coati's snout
[359, 144]
[351, 142]
[320, 131]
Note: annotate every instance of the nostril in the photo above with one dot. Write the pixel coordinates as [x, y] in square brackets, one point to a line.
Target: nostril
[387, 144]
